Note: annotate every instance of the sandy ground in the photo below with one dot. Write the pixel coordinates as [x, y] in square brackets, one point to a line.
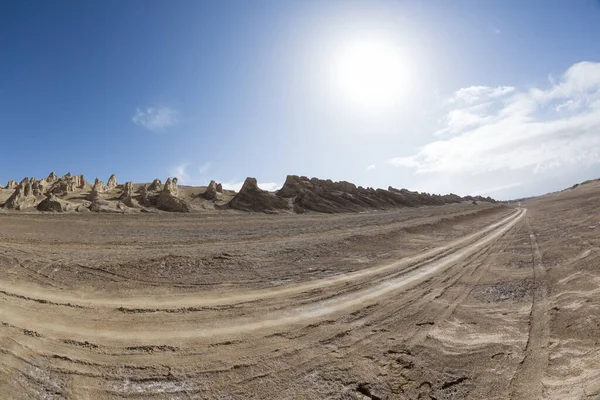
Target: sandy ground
[452, 302]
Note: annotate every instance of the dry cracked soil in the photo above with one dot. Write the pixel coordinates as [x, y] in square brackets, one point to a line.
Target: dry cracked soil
[452, 302]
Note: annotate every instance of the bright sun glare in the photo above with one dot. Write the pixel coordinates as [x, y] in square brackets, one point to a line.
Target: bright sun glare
[371, 73]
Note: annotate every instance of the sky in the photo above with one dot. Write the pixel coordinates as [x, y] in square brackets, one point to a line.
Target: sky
[499, 98]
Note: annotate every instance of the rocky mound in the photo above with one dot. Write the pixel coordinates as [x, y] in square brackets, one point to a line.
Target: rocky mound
[52, 178]
[167, 200]
[53, 204]
[98, 188]
[213, 191]
[155, 186]
[127, 194]
[65, 185]
[299, 194]
[22, 197]
[112, 182]
[333, 197]
[12, 185]
[252, 198]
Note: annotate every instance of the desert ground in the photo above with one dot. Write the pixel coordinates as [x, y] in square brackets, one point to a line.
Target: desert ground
[458, 301]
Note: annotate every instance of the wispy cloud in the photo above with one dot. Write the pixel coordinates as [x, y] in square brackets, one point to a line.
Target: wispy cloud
[370, 167]
[496, 189]
[476, 94]
[181, 172]
[204, 168]
[237, 185]
[155, 119]
[502, 128]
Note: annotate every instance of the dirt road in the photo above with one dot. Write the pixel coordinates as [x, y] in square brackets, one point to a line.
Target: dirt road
[429, 303]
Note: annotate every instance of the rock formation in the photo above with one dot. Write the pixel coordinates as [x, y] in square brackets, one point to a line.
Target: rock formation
[127, 194]
[144, 197]
[171, 186]
[299, 194]
[22, 197]
[38, 188]
[155, 186]
[52, 203]
[211, 192]
[52, 178]
[167, 200]
[112, 182]
[333, 197]
[252, 198]
[12, 185]
[67, 184]
[98, 188]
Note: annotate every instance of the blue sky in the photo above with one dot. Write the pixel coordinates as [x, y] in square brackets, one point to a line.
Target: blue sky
[492, 97]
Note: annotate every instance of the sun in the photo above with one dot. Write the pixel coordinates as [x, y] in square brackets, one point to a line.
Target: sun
[371, 73]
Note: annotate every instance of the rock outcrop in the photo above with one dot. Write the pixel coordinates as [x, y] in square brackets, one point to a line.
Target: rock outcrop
[38, 188]
[144, 197]
[211, 192]
[12, 185]
[53, 204]
[167, 200]
[98, 188]
[67, 184]
[51, 178]
[333, 197]
[127, 194]
[299, 194]
[155, 186]
[112, 182]
[22, 197]
[171, 186]
[252, 198]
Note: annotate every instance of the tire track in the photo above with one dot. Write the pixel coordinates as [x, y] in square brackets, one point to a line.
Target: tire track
[235, 326]
[527, 382]
[156, 303]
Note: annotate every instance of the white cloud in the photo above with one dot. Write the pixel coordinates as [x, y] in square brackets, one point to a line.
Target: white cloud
[181, 173]
[155, 119]
[500, 188]
[538, 130]
[237, 185]
[204, 168]
[568, 105]
[370, 167]
[233, 185]
[270, 186]
[475, 94]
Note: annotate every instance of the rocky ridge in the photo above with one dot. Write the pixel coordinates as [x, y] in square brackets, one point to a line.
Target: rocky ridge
[298, 194]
